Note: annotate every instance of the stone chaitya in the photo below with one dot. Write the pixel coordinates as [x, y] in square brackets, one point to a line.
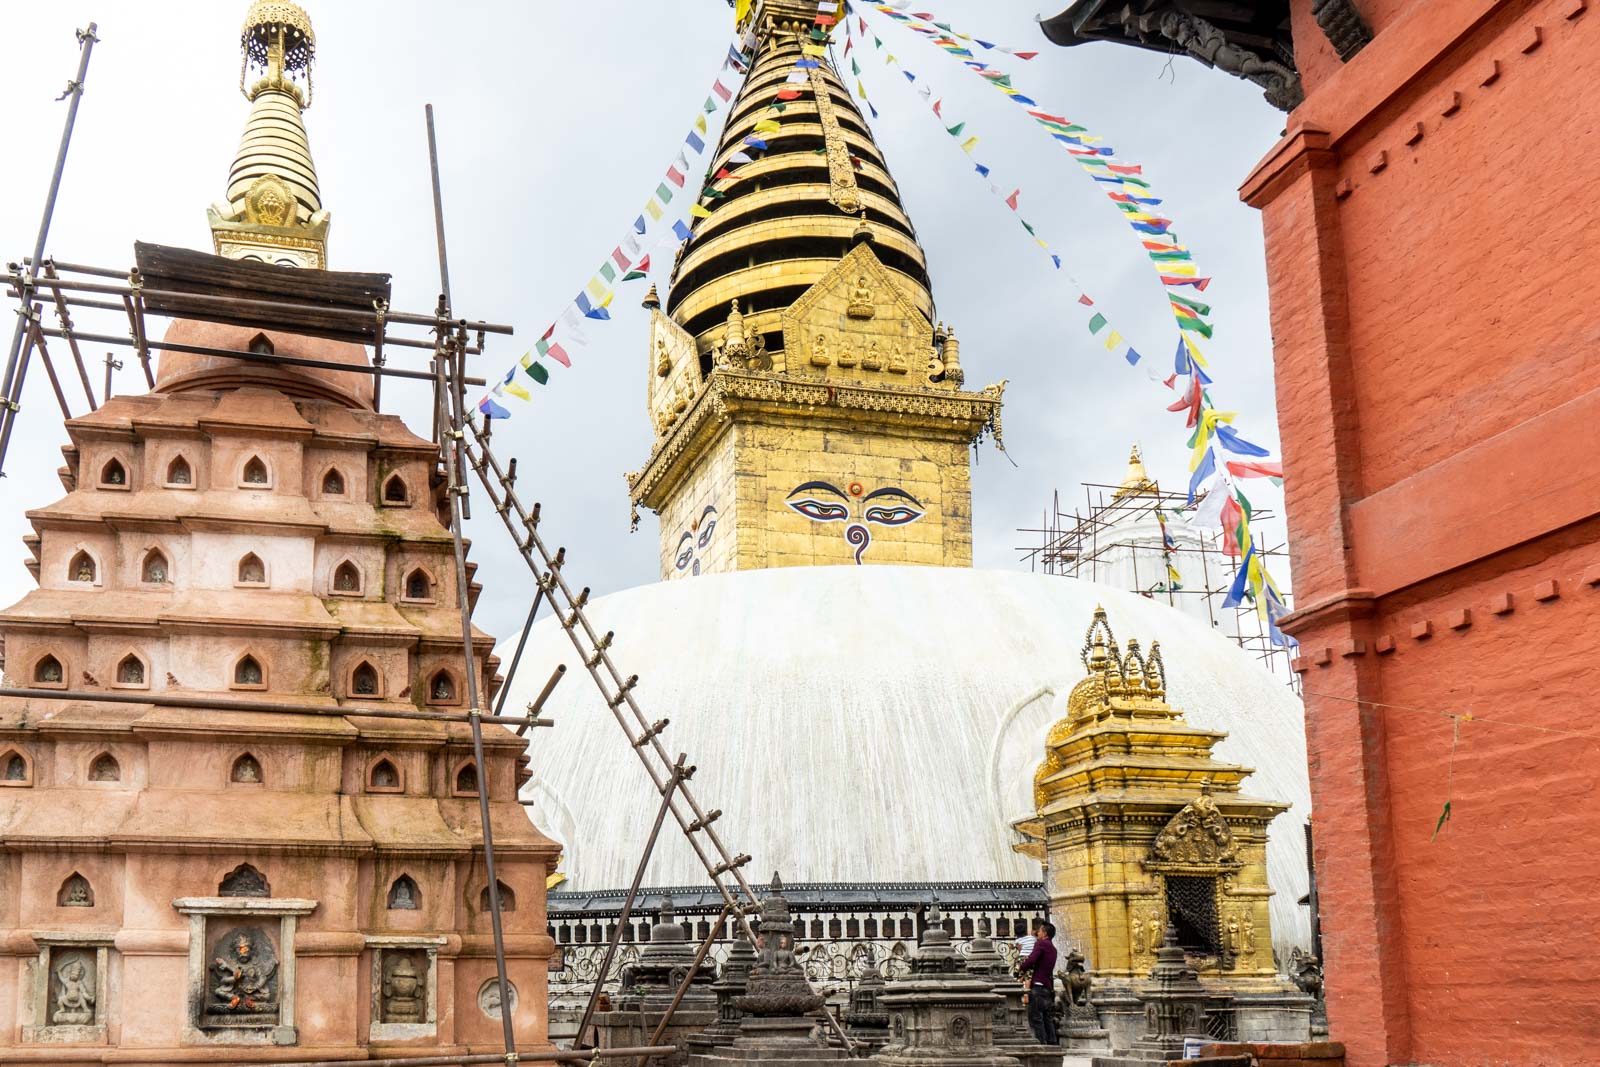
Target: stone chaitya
[731, 984]
[1174, 1004]
[1141, 830]
[941, 1013]
[178, 879]
[649, 985]
[777, 1011]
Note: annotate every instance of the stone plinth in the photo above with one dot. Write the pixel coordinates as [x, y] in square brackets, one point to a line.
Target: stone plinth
[866, 1021]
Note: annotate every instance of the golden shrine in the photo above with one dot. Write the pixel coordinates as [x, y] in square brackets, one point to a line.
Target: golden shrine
[1138, 827]
[807, 408]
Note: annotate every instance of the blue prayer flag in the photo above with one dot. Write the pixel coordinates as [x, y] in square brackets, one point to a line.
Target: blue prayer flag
[1208, 467]
[694, 141]
[1057, 261]
[681, 230]
[639, 224]
[1230, 439]
[755, 142]
[1132, 357]
[983, 170]
[491, 410]
[1236, 591]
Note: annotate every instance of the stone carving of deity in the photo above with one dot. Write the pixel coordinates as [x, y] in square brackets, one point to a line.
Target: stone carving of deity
[1153, 930]
[442, 688]
[1247, 934]
[872, 358]
[77, 894]
[663, 361]
[85, 571]
[246, 977]
[74, 1000]
[898, 363]
[1233, 936]
[402, 992]
[819, 351]
[860, 306]
[845, 358]
[1136, 928]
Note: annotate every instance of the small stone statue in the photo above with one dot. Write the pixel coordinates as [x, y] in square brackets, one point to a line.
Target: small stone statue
[845, 358]
[872, 358]
[85, 571]
[860, 306]
[1248, 934]
[441, 688]
[1153, 927]
[819, 351]
[74, 1001]
[402, 999]
[1233, 936]
[898, 362]
[244, 984]
[1137, 929]
[663, 361]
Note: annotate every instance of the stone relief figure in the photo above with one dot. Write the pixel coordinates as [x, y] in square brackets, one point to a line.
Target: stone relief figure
[1234, 943]
[819, 351]
[1137, 929]
[872, 358]
[860, 306]
[246, 975]
[663, 361]
[846, 357]
[899, 362]
[74, 999]
[1247, 934]
[85, 571]
[402, 991]
[1154, 930]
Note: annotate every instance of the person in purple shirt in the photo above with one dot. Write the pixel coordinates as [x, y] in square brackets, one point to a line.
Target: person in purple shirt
[1039, 981]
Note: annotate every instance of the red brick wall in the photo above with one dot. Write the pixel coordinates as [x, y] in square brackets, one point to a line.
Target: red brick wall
[1430, 228]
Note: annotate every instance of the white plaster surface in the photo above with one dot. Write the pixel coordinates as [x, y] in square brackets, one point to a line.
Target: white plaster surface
[871, 724]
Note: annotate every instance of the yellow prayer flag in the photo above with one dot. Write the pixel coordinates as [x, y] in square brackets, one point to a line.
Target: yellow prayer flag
[1113, 339]
[767, 126]
[969, 144]
[700, 123]
[814, 50]
[653, 209]
[516, 390]
[1178, 270]
[861, 90]
[607, 301]
[1194, 351]
[596, 288]
[741, 11]
[699, 211]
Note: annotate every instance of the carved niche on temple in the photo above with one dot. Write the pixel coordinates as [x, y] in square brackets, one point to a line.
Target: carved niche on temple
[241, 962]
[69, 990]
[404, 987]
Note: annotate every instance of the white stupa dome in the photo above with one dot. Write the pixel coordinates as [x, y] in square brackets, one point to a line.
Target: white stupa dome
[872, 724]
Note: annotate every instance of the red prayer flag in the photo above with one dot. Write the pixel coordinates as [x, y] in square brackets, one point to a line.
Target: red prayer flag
[1168, 383]
[721, 90]
[847, 43]
[620, 259]
[826, 20]
[1231, 514]
[788, 94]
[723, 173]
[1052, 118]
[1255, 468]
[557, 353]
[936, 104]
[1132, 168]
[1011, 201]
[862, 22]
[1024, 55]
[675, 176]
[1083, 298]
[546, 335]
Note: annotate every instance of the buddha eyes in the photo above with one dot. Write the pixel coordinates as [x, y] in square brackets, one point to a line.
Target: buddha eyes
[820, 510]
[705, 534]
[685, 552]
[895, 515]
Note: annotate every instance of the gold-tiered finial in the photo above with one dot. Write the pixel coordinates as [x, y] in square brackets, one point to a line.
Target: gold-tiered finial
[274, 209]
[1118, 680]
[1136, 482]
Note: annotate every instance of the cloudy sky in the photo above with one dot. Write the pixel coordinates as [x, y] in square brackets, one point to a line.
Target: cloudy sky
[555, 123]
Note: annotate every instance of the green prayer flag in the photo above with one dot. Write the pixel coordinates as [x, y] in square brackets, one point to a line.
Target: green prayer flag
[1444, 817]
[877, 42]
[1025, 226]
[710, 105]
[608, 272]
[855, 68]
[1097, 323]
[663, 194]
[1195, 305]
[633, 275]
[537, 372]
[945, 26]
[955, 131]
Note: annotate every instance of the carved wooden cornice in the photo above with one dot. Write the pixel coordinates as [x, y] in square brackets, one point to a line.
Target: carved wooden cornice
[729, 393]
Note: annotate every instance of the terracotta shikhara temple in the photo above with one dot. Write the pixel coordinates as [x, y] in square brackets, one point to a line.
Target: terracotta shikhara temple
[283, 869]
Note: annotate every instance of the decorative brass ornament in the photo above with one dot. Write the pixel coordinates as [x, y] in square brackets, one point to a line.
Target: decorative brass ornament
[861, 305]
[842, 190]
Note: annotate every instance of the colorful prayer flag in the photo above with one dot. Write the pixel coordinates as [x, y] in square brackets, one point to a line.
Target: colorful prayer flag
[539, 373]
[1097, 323]
[683, 233]
[639, 270]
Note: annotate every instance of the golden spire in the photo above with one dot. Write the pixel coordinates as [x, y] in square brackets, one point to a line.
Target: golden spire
[797, 208]
[274, 209]
[1136, 482]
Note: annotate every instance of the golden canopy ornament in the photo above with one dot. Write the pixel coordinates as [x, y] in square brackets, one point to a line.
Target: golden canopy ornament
[1198, 838]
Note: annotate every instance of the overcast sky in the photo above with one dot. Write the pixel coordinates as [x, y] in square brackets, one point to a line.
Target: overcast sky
[555, 123]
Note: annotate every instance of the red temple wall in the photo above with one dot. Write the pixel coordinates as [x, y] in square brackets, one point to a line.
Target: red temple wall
[1430, 223]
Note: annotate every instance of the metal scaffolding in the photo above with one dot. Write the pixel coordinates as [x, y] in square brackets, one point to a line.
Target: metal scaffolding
[1084, 542]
